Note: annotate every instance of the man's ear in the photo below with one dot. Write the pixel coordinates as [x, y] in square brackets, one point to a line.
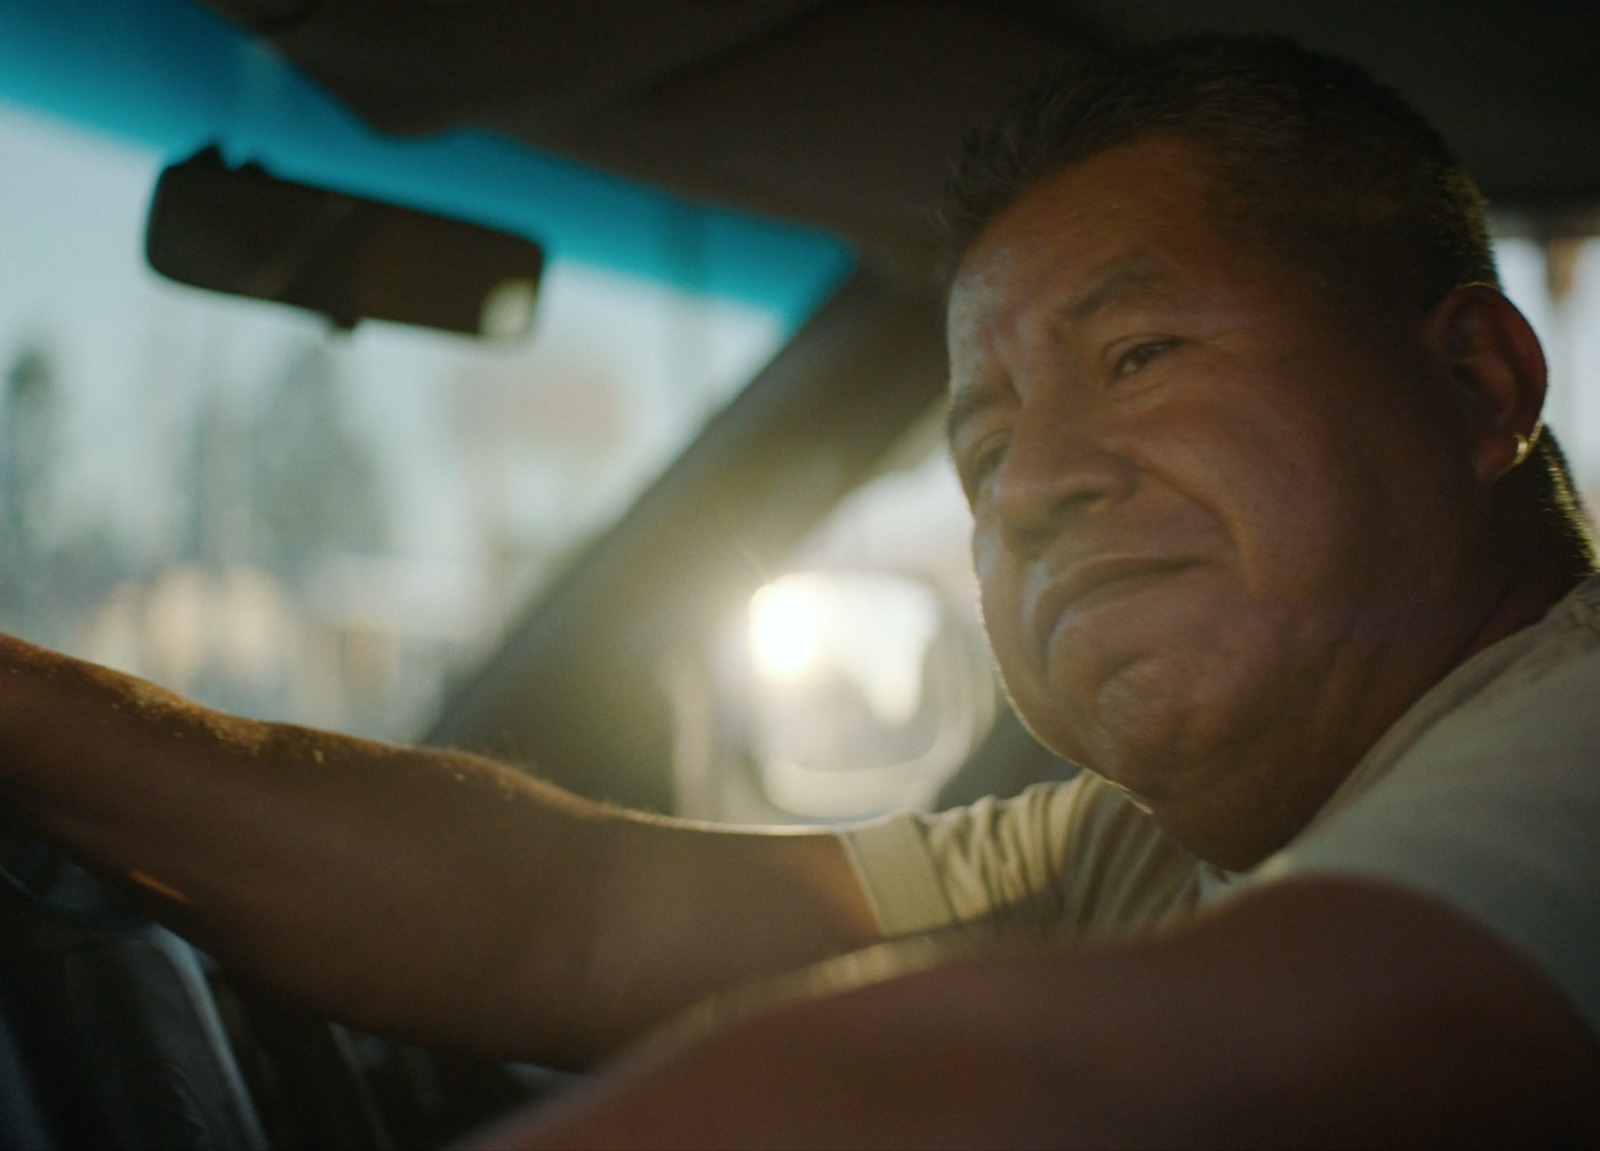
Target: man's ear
[1493, 360]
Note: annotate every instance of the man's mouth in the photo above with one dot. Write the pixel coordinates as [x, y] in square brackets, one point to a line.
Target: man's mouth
[1091, 583]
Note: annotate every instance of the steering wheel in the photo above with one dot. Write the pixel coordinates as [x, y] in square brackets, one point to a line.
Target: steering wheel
[109, 1035]
[114, 1032]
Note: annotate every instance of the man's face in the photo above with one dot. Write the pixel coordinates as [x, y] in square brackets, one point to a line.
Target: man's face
[1219, 524]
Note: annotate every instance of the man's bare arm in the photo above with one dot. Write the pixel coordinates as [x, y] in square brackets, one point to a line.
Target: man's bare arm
[1315, 1012]
[416, 892]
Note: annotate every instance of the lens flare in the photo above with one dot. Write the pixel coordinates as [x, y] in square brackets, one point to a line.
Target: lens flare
[783, 629]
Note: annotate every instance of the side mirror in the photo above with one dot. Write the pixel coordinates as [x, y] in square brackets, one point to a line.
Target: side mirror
[244, 232]
[866, 690]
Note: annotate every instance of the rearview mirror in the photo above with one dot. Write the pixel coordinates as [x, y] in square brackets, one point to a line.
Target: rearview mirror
[245, 232]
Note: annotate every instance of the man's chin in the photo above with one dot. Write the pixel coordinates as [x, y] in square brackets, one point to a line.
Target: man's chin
[1208, 793]
[1158, 727]
[1191, 715]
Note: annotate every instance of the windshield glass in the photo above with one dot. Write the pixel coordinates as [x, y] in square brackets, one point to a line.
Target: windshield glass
[232, 499]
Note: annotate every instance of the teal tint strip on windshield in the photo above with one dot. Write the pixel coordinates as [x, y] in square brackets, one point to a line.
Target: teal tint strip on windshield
[170, 74]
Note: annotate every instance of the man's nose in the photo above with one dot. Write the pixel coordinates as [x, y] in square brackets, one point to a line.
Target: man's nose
[1053, 476]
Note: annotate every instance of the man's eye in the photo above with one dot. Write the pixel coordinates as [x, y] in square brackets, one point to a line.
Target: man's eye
[981, 465]
[1140, 355]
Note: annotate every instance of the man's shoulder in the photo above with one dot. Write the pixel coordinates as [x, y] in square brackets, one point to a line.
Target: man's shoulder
[1507, 683]
[1567, 640]
[1492, 805]
[1536, 689]
[1079, 856]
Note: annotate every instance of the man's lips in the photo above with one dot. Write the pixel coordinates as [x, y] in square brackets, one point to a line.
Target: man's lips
[1090, 582]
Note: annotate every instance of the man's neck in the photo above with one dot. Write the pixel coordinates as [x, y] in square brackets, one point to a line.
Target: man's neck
[1548, 561]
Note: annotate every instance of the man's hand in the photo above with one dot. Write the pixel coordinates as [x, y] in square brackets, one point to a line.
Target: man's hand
[1311, 1012]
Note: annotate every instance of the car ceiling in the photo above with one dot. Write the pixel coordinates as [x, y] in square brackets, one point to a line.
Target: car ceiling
[844, 114]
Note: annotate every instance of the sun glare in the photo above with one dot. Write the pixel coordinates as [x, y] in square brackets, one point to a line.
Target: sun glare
[783, 628]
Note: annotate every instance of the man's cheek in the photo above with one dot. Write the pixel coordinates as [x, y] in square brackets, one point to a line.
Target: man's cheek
[1157, 647]
[998, 600]
[1001, 625]
[1019, 672]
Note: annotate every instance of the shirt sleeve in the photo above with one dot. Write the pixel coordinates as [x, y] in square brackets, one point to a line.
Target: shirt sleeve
[1496, 812]
[1075, 857]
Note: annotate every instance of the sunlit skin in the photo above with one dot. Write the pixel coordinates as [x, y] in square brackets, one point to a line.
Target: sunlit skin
[1226, 530]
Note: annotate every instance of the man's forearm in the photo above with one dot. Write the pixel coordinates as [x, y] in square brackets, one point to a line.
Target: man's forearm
[410, 891]
[1315, 1013]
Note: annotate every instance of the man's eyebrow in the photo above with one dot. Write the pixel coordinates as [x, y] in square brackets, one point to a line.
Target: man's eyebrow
[1112, 284]
[1131, 276]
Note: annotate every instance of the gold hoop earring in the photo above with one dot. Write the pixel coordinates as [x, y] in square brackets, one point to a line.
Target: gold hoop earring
[1525, 445]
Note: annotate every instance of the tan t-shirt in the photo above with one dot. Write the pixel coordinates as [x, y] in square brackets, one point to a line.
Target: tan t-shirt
[1485, 795]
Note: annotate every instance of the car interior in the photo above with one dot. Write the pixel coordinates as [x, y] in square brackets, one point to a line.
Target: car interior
[561, 383]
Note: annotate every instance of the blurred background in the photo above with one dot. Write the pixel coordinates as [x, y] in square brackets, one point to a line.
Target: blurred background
[244, 505]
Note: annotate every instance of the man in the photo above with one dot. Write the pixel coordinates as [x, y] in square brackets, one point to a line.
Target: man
[1268, 538]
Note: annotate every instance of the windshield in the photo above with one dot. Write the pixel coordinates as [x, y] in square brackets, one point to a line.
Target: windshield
[234, 500]
[230, 499]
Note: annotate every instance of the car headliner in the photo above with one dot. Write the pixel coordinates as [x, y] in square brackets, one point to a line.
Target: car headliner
[843, 114]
